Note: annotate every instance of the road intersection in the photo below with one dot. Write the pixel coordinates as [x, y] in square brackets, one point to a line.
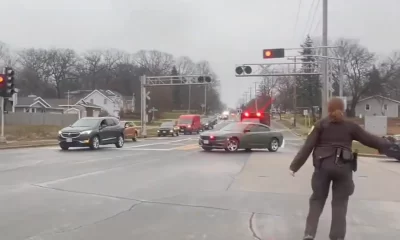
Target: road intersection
[168, 188]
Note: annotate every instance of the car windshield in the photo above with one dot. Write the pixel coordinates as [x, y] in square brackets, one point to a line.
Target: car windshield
[86, 122]
[234, 127]
[185, 121]
[167, 124]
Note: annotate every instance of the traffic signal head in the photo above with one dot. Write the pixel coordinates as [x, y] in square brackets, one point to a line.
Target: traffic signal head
[10, 88]
[2, 80]
[274, 53]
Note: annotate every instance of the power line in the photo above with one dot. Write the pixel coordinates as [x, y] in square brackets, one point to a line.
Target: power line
[297, 20]
[309, 16]
[315, 13]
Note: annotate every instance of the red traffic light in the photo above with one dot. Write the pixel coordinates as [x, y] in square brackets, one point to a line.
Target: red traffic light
[274, 53]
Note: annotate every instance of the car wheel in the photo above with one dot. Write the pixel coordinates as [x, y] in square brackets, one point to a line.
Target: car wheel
[177, 134]
[233, 145]
[64, 148]
[207, 149]
[94, 143]
[248, 149]
[120, 142]
[273, 145]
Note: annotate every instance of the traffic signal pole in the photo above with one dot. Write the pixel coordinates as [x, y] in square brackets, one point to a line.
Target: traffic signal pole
[324, 67]
[2, 137]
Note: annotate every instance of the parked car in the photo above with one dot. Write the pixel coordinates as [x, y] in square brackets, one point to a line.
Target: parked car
[130, 131]
[168, 129]
[92, 132]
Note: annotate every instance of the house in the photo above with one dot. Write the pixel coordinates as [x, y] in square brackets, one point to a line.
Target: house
[110, 101]
[35, 104]
[378, 106]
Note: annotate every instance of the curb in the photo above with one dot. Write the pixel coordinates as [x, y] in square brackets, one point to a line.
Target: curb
[5, 146]
[372, 155]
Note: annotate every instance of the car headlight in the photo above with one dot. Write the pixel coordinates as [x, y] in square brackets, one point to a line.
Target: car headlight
[171, 130]
[158, 130]
[59, 132]
[86, 132]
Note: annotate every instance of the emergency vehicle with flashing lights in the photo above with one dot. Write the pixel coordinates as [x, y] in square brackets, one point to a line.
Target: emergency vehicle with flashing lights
[259, 117]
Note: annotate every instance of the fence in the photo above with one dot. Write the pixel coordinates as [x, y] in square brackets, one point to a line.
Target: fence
[50, 119]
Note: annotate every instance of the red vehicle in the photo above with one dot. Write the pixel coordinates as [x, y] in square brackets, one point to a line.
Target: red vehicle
[188, 124]
[259, 117]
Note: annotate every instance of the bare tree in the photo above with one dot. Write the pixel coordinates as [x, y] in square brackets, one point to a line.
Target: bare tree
[155, 62]
[112, 58]
[90, 67]
[358, 64]
[185, 66]
[61, 64]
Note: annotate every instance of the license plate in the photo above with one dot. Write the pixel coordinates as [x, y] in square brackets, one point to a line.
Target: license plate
[164, 131]
[182, 130]
[206, 142]
[69, 139]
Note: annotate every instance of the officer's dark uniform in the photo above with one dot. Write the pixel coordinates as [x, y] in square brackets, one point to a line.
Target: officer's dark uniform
[328, 139]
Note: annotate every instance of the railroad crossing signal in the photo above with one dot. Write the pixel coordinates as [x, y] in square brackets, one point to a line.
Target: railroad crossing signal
[202, 79]
[274, 53]
[243, 69]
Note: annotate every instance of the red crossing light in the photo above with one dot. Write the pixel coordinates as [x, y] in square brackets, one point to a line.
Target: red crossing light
[246, 114]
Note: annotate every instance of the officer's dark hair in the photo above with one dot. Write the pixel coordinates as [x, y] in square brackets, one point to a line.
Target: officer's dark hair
[336, 110]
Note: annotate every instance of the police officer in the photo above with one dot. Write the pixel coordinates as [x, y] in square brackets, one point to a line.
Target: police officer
[331, 139]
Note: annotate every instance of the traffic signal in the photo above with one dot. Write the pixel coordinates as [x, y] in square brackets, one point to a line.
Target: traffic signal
[274, 53]
[3, 85]
[10, 87]
[245, 69]
[202, 79]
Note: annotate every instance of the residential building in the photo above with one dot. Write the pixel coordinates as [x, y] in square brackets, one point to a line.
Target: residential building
[34, 104]
[110, 101]
[378, 106]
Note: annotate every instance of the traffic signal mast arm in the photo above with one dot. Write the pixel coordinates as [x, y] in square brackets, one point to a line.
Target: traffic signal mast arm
[178, 80]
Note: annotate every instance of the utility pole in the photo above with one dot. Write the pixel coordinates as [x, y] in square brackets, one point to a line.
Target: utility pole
[190, 96]
[205, 99]
[341, 70]
[255, 96]
[324, 68]
[294, 95]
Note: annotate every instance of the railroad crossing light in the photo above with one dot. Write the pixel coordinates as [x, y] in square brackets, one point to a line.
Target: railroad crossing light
[245, 69]
[274, 53]
[202, 79]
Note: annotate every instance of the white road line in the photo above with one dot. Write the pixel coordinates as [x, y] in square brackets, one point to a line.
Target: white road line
[159, 143]
[143, 149]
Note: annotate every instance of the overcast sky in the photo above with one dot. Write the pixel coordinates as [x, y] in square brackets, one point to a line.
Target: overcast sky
[225, 32]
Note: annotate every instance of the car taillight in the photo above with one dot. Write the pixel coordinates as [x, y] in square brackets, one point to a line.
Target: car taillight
[246, 114]
[189, 126]
[212, 137]
[258, 114]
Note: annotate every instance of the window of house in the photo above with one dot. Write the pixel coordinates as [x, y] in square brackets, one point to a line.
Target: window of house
[105, 100]
[385, 107]
[367, 107]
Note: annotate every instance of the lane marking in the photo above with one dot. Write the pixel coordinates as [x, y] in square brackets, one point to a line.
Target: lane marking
[159, 143]
[143, 149]
[187, 147]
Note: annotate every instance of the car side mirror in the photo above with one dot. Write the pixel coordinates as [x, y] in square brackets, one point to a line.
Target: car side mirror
[246, 130]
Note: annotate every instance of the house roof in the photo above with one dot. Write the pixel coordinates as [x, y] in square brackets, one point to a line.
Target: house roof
[30, 101]
[379, 96]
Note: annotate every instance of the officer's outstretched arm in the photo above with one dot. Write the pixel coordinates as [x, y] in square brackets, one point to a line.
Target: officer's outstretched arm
[368, 139]
[306, 150]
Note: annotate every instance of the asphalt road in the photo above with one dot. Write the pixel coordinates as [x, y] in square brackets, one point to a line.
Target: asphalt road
[169, 189]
